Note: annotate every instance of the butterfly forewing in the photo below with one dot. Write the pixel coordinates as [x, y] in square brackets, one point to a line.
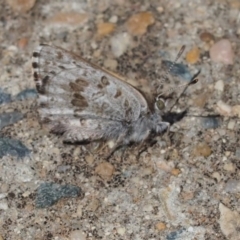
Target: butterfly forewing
[70, 86]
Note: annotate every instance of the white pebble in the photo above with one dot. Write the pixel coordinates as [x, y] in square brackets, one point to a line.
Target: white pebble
[77, 235]
[3, 205]
[231, 124]
[113, 19]
[221, 52]
[219, 85]
[223, 108]
[121, 231]
[119, 43]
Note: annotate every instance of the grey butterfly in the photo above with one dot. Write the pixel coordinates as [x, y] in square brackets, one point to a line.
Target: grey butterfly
[86, 103]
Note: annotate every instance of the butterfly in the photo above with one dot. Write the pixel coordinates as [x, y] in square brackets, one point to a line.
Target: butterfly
[85, 103]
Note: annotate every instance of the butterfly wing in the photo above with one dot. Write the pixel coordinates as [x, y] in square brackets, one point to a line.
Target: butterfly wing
[71, 89]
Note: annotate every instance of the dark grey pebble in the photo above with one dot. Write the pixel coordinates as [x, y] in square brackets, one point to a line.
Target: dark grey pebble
[26, 94]
[50, 193]
[4, 97]
[10, 118]
[210, 122]
[175, 235]
[12, 147]
[178, 69]
[237, 153]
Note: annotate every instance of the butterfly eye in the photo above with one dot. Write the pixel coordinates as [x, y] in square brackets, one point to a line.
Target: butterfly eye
[160, 103]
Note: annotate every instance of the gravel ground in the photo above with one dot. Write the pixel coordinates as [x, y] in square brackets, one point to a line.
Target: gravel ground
[184, 187]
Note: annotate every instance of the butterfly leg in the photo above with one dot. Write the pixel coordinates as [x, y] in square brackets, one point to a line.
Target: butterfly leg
[117, 145]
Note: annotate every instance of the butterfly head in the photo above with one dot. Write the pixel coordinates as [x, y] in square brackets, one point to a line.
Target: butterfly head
[161, 104]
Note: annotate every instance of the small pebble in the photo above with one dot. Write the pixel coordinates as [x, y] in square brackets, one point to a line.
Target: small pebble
[93, 205]
[177, 69]
[201, 99]
[121, 231]
[222, 52]
[89, 159]
[207, 37]
[3, 205]
[232, 186]
[110, 64]
[77, 235]
[223, 108]
[113, 19]
[4, 97]
[235, 4]
[26, 94]
[210, 122]
[175, 235]
[22, 42]
[79, 211]
[219, 85]
[237, 153]
[217, 176]
[229, 222]
[4, 187]
[105, 28]
[175, 172]
[202, 149]
[230, 167]
[21, 6]
[68, 19]
[138, 23]
[193, 55]
[12, 147]
[147, 208]
[105, 170]
[49, 193]
[187, 195]
[10, 118]
[63, 168]
[231, 124]
[160, 226]
[236, 111]
[119, 43]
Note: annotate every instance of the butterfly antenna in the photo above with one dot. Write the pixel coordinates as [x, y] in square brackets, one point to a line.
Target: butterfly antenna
[165, 76]
[193, 81]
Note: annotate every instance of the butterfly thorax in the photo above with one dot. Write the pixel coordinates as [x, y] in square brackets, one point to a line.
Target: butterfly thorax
[144, 126]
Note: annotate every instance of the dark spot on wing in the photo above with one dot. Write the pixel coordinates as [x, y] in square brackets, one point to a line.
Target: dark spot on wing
[34, 65]
[118, 93]
[82, 82]
[46, 120]
[45, 80]
[78, 96]
[35, 76]
[78, 85]
[43, 105]
[36, 54]
[128, 114]
[62, 67]
[79, 101]
[41, 87]
[53, 72]
[104, 81]
[59, 55]
[126, 104]
[100, 86]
